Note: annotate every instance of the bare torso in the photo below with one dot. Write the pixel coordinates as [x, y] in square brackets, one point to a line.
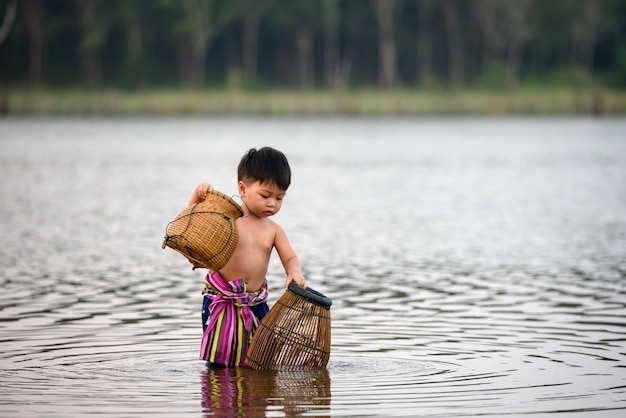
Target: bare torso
[254, 248]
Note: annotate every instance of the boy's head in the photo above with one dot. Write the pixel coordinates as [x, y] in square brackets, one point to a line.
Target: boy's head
[266, 165]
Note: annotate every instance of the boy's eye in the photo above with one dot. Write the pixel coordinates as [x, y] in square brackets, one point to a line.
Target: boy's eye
[264, 197]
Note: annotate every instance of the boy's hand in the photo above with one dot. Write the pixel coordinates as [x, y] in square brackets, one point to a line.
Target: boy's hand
[202, 190]
[296, 277]
[199, 193]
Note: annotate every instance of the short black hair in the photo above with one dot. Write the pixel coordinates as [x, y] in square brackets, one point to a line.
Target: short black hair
[266, 165]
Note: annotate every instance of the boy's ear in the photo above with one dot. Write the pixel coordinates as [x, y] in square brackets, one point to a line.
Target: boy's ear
[242, 188]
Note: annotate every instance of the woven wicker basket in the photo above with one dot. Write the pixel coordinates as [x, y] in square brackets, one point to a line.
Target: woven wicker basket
[295, 333]
[206, 232]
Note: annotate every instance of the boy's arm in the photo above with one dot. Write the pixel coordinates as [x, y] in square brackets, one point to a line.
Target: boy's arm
[289, 259]
[199, 193]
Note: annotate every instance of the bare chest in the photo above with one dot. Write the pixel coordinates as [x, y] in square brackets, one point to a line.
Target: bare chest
[255, 236]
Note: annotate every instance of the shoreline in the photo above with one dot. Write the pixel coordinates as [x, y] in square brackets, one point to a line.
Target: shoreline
[366, 102]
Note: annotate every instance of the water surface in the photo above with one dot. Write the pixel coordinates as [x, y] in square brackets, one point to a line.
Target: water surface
[477, 267]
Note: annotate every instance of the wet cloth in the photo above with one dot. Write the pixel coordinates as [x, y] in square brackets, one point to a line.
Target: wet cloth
[231, 322]
[258, 310]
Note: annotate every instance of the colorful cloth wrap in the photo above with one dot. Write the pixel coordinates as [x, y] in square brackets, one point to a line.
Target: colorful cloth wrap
[231, 322]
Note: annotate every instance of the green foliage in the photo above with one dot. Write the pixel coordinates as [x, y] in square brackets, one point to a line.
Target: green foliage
[92, 43]
[154, 43]
[574, 76]
[495, 76]
[617, 76]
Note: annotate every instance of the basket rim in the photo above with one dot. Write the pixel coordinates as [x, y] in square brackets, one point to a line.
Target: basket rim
[310, 295]
[227, 198]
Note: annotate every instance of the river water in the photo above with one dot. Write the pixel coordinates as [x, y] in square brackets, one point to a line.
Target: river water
[477, 266]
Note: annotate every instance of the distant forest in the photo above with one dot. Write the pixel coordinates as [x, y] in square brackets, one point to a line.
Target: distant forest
[311, 44]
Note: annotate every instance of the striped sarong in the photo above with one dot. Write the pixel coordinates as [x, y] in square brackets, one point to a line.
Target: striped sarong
[231, 322]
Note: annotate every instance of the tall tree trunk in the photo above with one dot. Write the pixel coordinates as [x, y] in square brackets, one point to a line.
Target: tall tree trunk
[487, 16]
[585, 32]
[131, 12]
[519, 33]
[425, 26]
[93, 28]
[386, 43]
[7, 21]
[203, 21]
[304, 43]
[332, 70]
[135, 52]
[34, 22]
[251, 23]
[5, 29]
[200, 32]
[184, 61]
[456, 59]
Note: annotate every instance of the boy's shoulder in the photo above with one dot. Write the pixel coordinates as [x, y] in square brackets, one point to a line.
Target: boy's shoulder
[274, 227]
[272, 224]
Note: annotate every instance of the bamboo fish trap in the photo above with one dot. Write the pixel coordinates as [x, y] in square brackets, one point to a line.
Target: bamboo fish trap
[206, 232]
[295, 333]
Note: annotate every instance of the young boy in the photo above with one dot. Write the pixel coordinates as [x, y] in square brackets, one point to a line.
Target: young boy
[235, 297]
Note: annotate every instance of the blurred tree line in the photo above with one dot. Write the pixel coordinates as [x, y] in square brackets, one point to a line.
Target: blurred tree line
[311, 43]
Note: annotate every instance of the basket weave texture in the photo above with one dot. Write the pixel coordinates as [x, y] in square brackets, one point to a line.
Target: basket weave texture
[206, 232]
[295, 333]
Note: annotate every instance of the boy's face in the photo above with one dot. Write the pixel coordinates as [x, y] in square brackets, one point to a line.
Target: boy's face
[262, 199]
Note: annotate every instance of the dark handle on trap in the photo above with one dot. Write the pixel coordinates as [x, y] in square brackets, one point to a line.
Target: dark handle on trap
[310, 295]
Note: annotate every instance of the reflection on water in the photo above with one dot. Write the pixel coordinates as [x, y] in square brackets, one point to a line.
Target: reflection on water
[476, 266]
[230, 392]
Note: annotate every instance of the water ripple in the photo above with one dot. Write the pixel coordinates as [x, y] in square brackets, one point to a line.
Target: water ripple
[476, 268]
